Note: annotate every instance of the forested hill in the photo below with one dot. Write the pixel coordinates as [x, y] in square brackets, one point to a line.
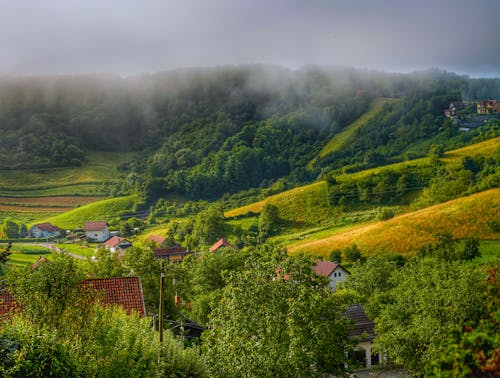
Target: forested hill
[208, 131]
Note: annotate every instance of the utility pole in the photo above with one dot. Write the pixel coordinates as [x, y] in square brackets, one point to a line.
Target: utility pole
[160, 315]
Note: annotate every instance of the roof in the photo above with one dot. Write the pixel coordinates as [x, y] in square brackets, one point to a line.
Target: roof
[363, 326]
[125, 292]
[94, 226]
[219, 244]
[47, 227]
[41, 260]
[114, 241]
[156, 239]
[325, 268]
[7, 302]
[169, 251]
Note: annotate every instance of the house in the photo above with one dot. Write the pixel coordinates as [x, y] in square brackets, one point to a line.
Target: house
[363, 332]
[172, 254]
[453, 108]
[125, 292]
[96, 231]
[117, 244]
[221, 243]
[44, 230]
[157, 240]
[488, 107]
[332, 270]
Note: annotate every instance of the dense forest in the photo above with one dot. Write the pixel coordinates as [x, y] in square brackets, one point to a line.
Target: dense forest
[204, 132]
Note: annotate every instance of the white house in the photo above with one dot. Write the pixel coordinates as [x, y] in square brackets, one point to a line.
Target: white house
[96, 231]
[332, 270]
[44, 230]
[117, 244]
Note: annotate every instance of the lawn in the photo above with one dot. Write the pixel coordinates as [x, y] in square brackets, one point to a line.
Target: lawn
[26, 254]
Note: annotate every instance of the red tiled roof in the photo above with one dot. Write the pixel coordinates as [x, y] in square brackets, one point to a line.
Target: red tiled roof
[125, 292]
[47, 227]
[156, 239]
[94, 226]
[169, 251]
[219, 244]
[7, 302]
[325, 268]
[114, 241]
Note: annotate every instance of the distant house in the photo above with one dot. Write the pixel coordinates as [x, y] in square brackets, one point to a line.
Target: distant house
[158, 240]
[363, 332]
[453, 108]
[172, 254]
[221, 243]
[488, 107]
[96, 231]
[332, 270]
[125, 292]
[44, 230]
[117, 244]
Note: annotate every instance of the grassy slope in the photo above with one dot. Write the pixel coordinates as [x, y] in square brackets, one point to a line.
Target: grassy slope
[465, 217]
[101, 210]
[309, 201]
[345, 136]
[84, 180]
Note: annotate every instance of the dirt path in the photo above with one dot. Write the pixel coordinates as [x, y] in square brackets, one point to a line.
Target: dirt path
[55, 248]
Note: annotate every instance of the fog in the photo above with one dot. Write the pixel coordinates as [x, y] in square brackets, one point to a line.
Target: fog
[130, 37]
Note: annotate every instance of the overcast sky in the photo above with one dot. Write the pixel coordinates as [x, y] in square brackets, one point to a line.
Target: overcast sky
[135, 36]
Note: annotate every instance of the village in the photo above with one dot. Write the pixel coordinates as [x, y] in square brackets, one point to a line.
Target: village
[468, 115]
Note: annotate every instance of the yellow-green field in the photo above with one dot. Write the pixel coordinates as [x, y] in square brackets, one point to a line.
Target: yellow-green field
[465, 217]
[97, 211]
[341, 139]
[26, 254]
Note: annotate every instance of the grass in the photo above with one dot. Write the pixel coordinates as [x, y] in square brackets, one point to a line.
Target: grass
[77, 249]
[490, 252]
[26, 254]
[84, 180]
[465, 217]
[340, 140]
[101, 210]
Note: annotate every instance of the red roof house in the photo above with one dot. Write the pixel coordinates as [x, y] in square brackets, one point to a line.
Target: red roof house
[117, 244]
[331, 270]
[44, 230]
[222, 243]
[96, 231]
[125, 292]
[172, 254]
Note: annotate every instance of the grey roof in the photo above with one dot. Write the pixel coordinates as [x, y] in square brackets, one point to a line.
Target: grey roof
[363, 326]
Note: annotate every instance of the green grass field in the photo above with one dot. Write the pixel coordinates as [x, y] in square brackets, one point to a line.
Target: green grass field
[26, 254]
[345, 136]
[77, 249]
[101, 210]
[84, 180]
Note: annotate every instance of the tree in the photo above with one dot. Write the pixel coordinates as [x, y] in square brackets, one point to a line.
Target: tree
[427, 302]
[269, 221]
[4, 256]
[445, 248]
[470, 249]
[353, 253]
[209, 225]
[10, 229]
[106, 265]
[276, 318]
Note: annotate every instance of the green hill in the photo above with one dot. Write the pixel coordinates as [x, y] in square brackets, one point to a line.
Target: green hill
[101, 210]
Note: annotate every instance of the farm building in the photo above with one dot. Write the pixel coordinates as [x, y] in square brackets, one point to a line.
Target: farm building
[332, 270]
[117, 244]
[96, 231]
[44, 230]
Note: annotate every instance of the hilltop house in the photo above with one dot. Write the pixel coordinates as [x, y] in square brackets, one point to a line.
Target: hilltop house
[117, 244]
[96, 231]
[332, 270]
[157, 240]
[221, 243]
[488, 107]
[453, 108]
[44, 230]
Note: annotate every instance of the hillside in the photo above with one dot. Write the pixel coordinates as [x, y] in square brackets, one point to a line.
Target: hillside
[346, 136]
[98, 211]
[465, 217]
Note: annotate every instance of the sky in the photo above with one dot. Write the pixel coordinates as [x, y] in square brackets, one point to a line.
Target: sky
[127, 37]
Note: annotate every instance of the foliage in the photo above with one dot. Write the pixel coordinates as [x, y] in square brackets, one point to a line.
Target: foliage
[269, 221]
[209, 226]
[4, 256]
[106, 264]
[10, 229]
[276, 318]
[425, 304]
